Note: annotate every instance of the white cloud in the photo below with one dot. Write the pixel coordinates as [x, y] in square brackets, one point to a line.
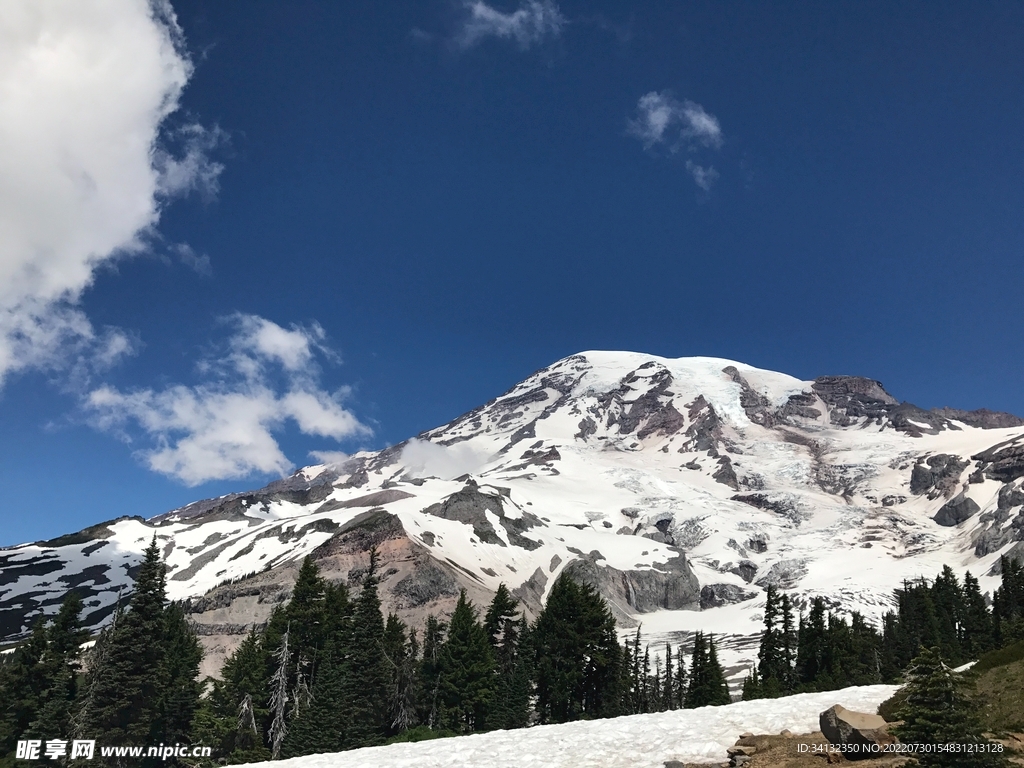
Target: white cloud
[533, 21]
[84, 89]
[704, 177]
[199, 262]
[330, 458]
[426, 459]
[224, 428]
[663, 119]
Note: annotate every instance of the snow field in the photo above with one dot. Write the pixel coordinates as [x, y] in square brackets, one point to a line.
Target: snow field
[638, 741]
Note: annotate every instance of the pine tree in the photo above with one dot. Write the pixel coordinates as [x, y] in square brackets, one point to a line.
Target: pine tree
[22, 688]
[577, 655]
[122, 701]
[718, 690]
[400, 657]
[668, 693]
[179, 684]
[433, 639]
[811, 646]
[279, 696]
[465, 672]
[938, 711]
[59, 669]
[977, 624]
[366, 674]
[505, 629]
[948, 599]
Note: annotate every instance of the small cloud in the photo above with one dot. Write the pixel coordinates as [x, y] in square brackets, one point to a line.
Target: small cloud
[421, 35]
[704, 177]
[663, 119]
[191, 168]
[224, 427]
[426, 459]
[330, 458]
[531, 23]
[199, 262]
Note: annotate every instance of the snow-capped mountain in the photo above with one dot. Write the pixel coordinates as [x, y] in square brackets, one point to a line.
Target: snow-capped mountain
[681, 488]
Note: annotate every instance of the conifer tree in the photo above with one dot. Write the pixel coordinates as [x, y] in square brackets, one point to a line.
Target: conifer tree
[366, 674]
[179, 684]
[400, 656]
[465, 672]
[938, 711]
[433, 639]
[59, 669]
[507, 631]
[668, 694]
[707, 680]
[122, 702]
[811, 646]
[22, 687]
[578, 659]
[977, 623]
[279, 696]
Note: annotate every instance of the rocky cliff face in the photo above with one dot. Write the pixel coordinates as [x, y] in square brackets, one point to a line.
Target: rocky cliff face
[681, 489]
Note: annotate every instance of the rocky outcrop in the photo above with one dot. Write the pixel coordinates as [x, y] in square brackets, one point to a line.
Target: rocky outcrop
[757, 407]
[955, 511]
[717, 595]
[470, 506]
[937, 475]
[784, 574]
[1003, 462]
[725, 474]
[862, 735]
[705, 430]
[982, 417]
[671, 585]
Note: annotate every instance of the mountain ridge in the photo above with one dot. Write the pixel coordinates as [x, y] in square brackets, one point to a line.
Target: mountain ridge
[680, 487]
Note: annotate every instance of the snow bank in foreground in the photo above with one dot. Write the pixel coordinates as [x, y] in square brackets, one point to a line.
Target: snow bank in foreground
[638, 741]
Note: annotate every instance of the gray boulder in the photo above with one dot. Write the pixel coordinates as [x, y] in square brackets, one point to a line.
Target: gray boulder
[955, 511]
[862, 735]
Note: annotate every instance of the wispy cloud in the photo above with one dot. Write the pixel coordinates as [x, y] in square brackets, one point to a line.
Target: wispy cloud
[704, 177]
[531, 23]
[263, 377]
[661, 119]
[84, 170]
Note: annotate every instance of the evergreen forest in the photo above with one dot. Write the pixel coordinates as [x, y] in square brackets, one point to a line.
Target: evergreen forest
[329, 671]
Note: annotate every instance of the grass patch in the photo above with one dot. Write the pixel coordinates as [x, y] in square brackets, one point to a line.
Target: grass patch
[1000, 697]
[999, 658]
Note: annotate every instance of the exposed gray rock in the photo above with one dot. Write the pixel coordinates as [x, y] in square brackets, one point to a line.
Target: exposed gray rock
[426, 584]
[989, 540]
[717, 595]
[671, 585]
[784, 574]
[1010, 496]
[757, 407]
[862, 732]
[705, 430]
[759, 542]
[797, 408]
[1016, 552]
[939, 475]
[745, 569]
[1003, 462]
[955, 511]
[469, 505]
[982, 417]
[726, 474]
[587, 427]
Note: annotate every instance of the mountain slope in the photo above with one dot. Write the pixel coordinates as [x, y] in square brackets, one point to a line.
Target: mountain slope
[681, 488]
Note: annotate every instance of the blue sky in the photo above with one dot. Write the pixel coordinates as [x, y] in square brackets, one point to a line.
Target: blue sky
[234, 234]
